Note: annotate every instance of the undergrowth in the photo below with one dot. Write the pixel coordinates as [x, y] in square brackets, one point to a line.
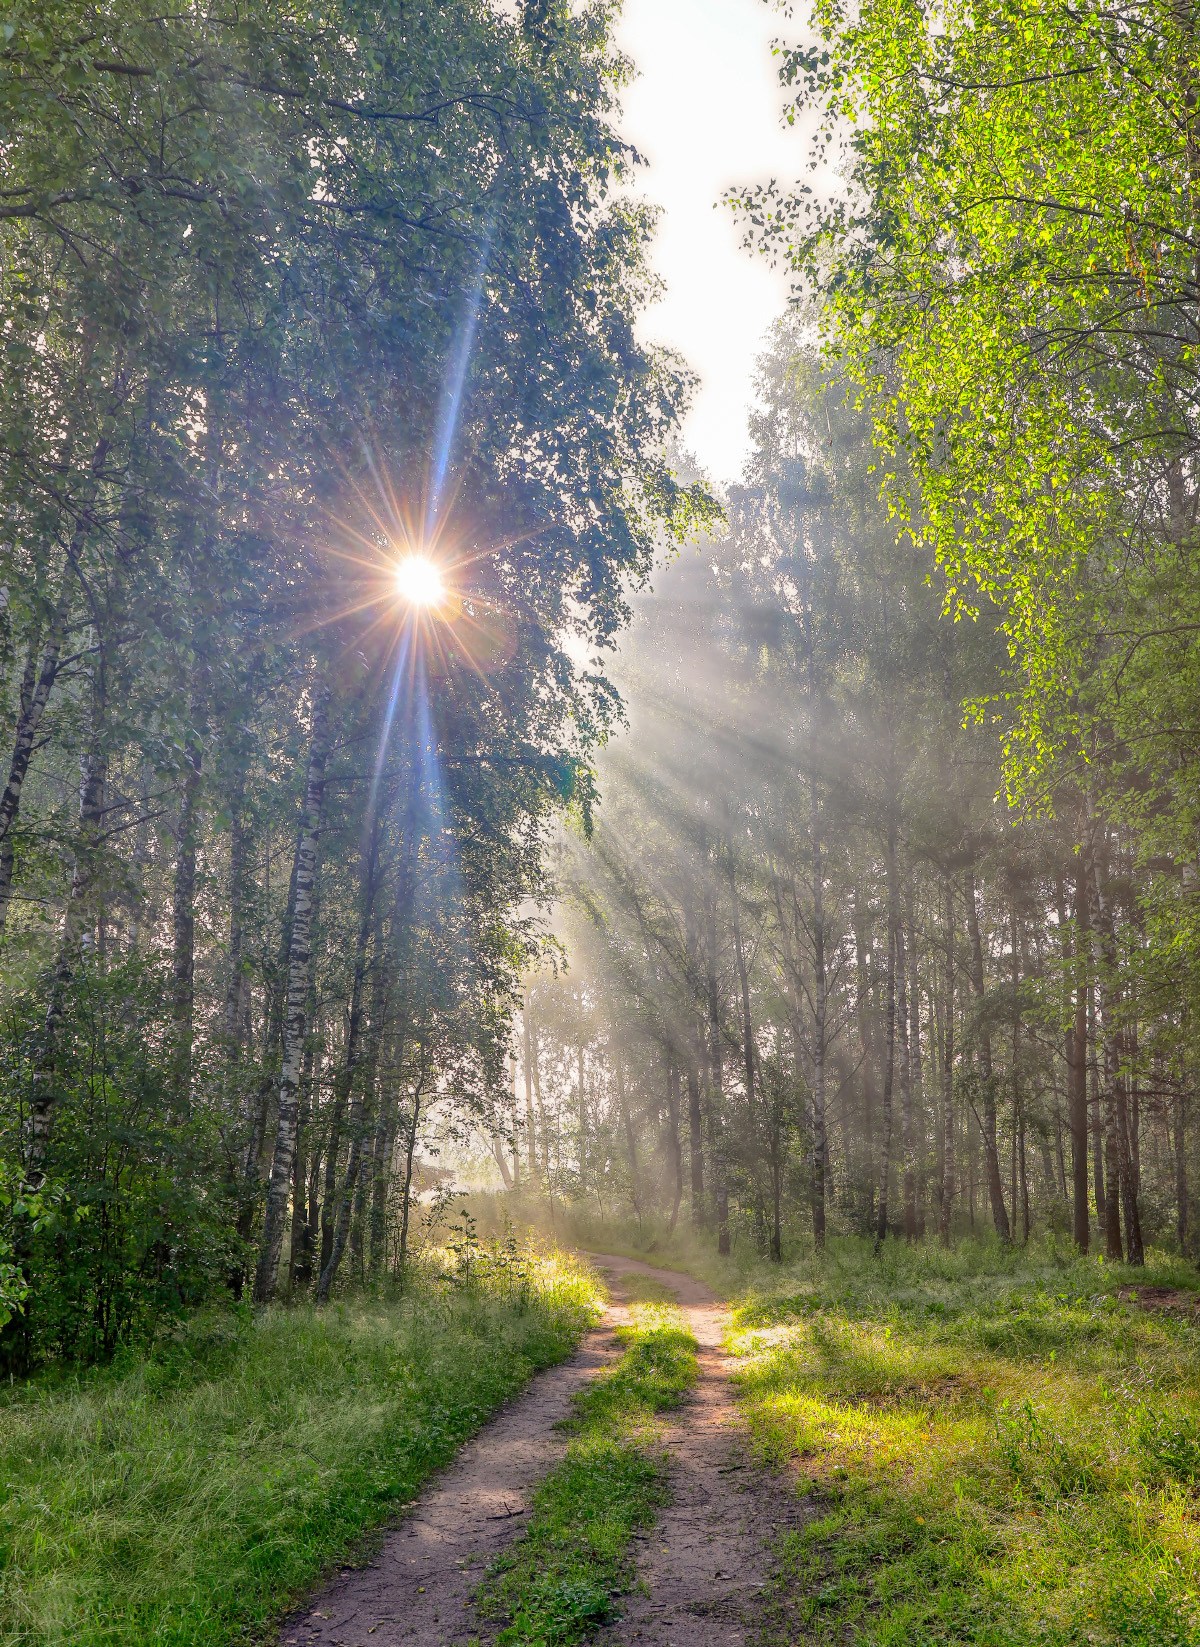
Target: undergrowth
[186, 1499]
[558, 1583]
[1002, 1446]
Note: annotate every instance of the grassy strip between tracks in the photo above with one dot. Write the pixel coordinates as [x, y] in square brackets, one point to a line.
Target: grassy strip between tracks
[184, 1499]
[563, 1578]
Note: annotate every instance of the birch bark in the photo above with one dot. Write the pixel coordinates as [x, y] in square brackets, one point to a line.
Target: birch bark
[295, 1017]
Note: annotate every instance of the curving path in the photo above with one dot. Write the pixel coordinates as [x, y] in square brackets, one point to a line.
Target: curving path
[702, 1570]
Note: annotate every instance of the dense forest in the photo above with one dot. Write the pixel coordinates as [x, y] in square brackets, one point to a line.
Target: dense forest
[896, 875]
[288, 299]
[462, 851]
[824, 975]
[886, 919]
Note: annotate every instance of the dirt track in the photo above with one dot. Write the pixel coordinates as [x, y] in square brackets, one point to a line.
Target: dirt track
[702, 1570]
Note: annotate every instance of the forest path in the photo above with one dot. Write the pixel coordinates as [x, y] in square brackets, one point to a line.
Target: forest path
[703, 1567]
[707, 1562]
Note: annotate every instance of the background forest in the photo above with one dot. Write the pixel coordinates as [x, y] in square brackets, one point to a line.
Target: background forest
[888, 921]
[896, 873]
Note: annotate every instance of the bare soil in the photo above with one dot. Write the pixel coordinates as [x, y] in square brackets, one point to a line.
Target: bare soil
[707, 1564]
[1161, 1298]
[702, 1571]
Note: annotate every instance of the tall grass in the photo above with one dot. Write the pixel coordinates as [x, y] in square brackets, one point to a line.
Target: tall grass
[187, 1499]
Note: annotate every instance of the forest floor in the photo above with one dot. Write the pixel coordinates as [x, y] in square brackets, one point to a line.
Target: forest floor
[972, 1448]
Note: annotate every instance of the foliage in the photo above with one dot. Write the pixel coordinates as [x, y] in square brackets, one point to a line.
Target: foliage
[1013, 296]
[283, 297]
[24, 1210]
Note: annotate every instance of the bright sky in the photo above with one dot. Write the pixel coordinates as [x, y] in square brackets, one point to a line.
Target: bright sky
[705, 113]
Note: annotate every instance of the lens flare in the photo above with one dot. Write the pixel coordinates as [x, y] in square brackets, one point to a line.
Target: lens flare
[418, 581]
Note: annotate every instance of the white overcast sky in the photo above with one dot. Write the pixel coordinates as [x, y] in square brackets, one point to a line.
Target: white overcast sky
[705, 113]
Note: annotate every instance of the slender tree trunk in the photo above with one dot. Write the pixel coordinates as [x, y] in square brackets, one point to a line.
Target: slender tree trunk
[1135, 1250]
[1020, 1191]
[889, 1076]
[716, 1083]
[351, 1091]
[1077, 1061]
[73, 939]
[295, 1019]
[820, 1141]
[1182, 1209]
[1112, 1173]
[501, 1160]
[36, 686]
[889, 1072]
[675, 1142]
[916, 1189]
[869, 1039]
[236, 1021]
[630, 1139]
[695, 1035]
[748, 1057]
[333, 1151]
[1120, 1156]
[531, 1154]
[300, 1262]
[948, 1183]
[385, 1142]
[906, 1096]
[581, 1107]
[1095, 1112]
[410, 1151]
[991, 1153]
[183, 921]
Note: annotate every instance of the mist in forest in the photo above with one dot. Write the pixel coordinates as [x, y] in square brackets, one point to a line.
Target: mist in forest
[820, 976]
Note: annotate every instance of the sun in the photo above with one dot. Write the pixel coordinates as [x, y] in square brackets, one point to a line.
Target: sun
[419, 581]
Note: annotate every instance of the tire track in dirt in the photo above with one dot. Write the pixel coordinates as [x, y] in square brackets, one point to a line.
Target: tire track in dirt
[418, 1587]
[706, 1565]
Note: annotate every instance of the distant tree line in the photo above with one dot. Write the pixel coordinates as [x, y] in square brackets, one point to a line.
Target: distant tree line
[285, 293]
[826, 977]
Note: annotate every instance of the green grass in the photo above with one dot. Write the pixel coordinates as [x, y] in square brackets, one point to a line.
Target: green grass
[1000, 1451]
[185, 1500]
[644, 1289]
[561, 1580]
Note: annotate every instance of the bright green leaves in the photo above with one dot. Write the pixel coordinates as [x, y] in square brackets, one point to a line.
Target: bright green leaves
[1008, 277]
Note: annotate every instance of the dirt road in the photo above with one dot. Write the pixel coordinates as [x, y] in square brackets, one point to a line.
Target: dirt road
[701, 1571]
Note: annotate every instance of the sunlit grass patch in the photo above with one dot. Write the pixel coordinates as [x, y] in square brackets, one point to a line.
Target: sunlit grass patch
[644, 1289]
[996, 1459]
[561, 1580]
[187, 1498]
